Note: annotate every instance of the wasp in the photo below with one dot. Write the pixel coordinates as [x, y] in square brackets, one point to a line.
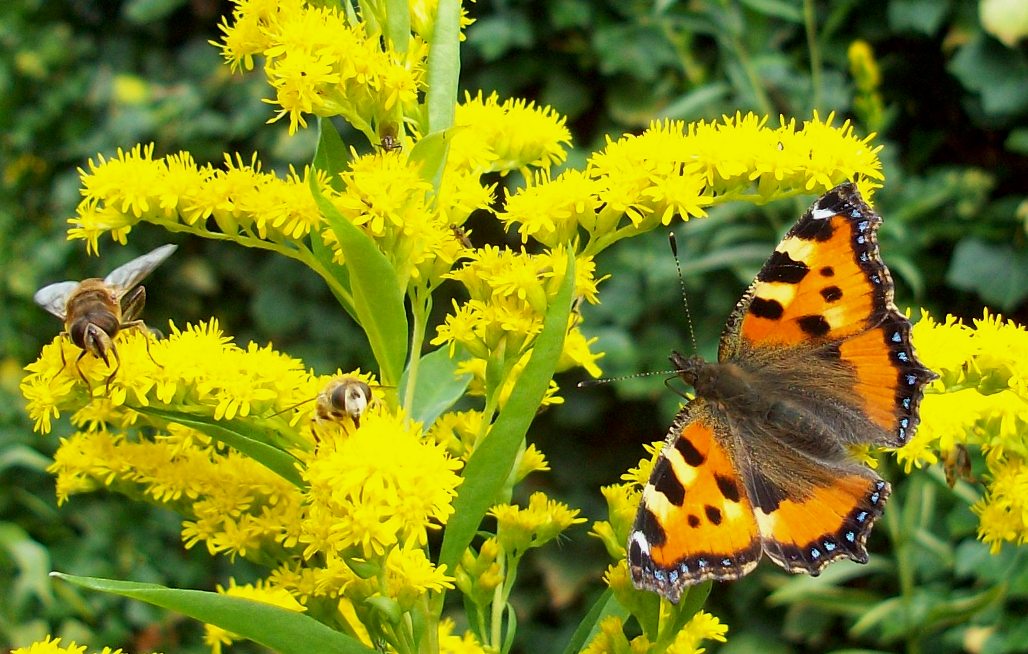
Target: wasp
[95, 310]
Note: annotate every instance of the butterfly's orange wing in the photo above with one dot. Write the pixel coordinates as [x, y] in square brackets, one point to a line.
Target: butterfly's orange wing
[695, 520]
[826, 283]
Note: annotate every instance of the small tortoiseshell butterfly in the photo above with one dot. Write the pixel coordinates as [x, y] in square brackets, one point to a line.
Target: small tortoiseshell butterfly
[814, 358]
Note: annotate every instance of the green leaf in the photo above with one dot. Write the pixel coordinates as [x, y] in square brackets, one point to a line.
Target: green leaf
[923, 16]
[998, 73]
[997, 272]
[1017, 141]
[492, 461]
[688, 605]
[338, 274]
[604, 606]
[398, 24]
[438, 385]
[286, 632]
[697, 101]
[377, 298]
[25, 566]
[790, 11]
[332, 155]
[238, 435]
[430, 152]
[443, 66]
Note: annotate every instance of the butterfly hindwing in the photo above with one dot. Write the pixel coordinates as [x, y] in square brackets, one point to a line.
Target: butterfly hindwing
[695, 520]
[821, 515]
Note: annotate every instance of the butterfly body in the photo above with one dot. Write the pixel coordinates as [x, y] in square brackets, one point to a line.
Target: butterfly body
[814, 359]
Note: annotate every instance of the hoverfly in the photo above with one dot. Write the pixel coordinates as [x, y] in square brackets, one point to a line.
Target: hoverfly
[342, 397]
[95, 310]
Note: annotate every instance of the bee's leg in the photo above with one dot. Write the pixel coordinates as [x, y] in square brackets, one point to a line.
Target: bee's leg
[132, 304]
[89, 387]
[64, 362]
[147, 332]
[117, 366]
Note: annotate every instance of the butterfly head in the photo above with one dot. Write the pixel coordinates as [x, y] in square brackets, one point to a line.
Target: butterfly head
[695, 371]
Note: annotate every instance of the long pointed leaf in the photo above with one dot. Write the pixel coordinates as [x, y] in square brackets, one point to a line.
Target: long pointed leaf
[606, 605]
[443, 66]
[377, 298]
[398, 24]
[331, 155]
[286, 632]
[492, 461]
[238, 435]
[430, 152]
[438, 385]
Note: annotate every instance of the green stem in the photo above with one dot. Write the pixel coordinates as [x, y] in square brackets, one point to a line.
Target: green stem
[905, 571]
[430, 639]
[810, 24]
[421, 305]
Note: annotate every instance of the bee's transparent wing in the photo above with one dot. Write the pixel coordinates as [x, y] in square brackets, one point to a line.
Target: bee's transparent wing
[54, 298]
[126, 276]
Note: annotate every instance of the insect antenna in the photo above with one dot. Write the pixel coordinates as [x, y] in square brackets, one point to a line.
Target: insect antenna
[606, 380]
[685, 296]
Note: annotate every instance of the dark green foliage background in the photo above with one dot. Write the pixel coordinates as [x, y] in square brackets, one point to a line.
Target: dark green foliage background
[78, 78]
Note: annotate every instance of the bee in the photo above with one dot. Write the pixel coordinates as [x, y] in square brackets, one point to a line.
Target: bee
[95, 310]
[342, 397]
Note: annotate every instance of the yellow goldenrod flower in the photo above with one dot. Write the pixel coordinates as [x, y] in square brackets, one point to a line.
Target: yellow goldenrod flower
[702, 626]
[451, 643]
[410, 575]
[381, 486]
[51, 645]
[479, 575]
[1003, 510]
[248, 205]
[610, 638]
[980, 400]
[262, 591]
[520, 529]
[321, 64]
[513, 135]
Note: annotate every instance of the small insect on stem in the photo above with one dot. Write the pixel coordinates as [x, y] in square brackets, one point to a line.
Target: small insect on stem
[388, 138]
[95, 310]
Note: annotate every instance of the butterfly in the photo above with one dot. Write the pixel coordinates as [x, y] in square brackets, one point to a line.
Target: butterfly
[814, 359]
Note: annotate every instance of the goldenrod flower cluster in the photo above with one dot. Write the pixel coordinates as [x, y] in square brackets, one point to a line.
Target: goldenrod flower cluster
[611, 636]
[319, 63]
[638, 182]
[979, 401]
[51, 645]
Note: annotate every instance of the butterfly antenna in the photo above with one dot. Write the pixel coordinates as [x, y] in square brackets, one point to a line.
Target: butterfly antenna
[681, 283]
[607, 380]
